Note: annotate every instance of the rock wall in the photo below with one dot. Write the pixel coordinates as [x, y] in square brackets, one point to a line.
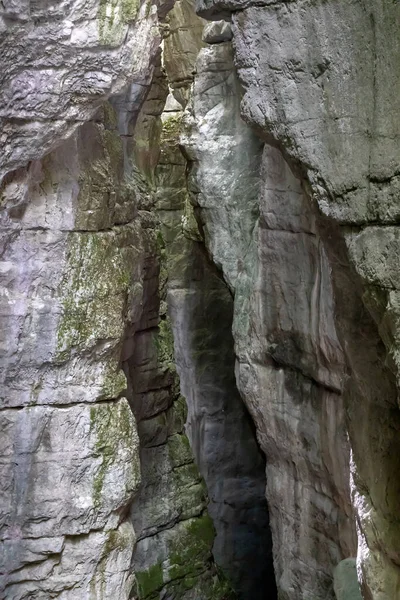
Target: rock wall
[80, 296]
[61, 59]
[315, 317]
[289, 369]
[250, 220]
[173, 554]
[70, 449]
[200, 305]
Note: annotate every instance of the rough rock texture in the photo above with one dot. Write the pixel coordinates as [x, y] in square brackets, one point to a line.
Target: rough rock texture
[278, 254]
[181, 47]
[79, 265]
[175, 535]
[259, 231]
[60, 60]
[218, 426]
[324, 300]
[70, 451]
[345, 580]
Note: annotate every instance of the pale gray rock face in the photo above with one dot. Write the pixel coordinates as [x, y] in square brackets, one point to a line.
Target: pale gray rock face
[300, 217]
[217, 32]
[70, 462]
[60, 529]
[261, 231]
[81, 294]
[72, 279]
[320, 82]
[346, 582]
[60, 61]
[80, 263]
[200, 305]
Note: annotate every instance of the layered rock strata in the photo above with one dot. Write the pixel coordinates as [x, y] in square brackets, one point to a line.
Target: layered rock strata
[60, 60]
[70, 453]
[283, 230]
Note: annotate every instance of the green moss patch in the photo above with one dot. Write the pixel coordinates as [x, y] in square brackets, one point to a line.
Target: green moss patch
[94, 289]
[149, 582]
[114, 426]
[111, 18]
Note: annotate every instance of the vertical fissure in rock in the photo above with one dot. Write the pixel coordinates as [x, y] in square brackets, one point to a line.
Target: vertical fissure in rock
[220, 430]
[259, 228]
[172, 555]
[200, 305]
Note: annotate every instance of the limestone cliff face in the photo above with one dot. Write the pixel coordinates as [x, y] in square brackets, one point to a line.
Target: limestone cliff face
[199, 300]
[315, 286]
[60, 60]
[218, 426]
[80, 265]
[289, 368]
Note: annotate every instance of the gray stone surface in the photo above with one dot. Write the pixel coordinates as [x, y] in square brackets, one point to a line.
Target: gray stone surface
[345, 580]
[72, 266]
[200, 304]
[173, 554]
[319, 83]
[80, 267]
[261, 232]
[298, 211]
[217, 32]
[70, 463]
[60, 60]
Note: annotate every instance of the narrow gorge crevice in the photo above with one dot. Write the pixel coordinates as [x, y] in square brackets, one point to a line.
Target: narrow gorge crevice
[200, 300]
[261, 232]
[220, 430]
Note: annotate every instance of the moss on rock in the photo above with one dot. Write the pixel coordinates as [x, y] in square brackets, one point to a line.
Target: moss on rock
[172, 127]
[149, 582]
[93, 290]
[113, 15]
[114, 427]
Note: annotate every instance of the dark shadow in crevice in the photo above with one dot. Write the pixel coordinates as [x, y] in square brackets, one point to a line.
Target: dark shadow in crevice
[220, 429]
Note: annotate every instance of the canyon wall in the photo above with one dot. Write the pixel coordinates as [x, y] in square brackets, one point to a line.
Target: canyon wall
[101, 497]
[315, 328]
[199, 301]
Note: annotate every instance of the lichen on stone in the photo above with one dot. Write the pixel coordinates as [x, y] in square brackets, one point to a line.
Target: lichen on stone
[93, 291]
[114, 426]
[149, 582]
[113, 17]
[189, 558]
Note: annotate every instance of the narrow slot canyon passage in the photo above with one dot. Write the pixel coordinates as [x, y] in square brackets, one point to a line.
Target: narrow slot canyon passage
[219, 480]
[220, 430]
[200, 300]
